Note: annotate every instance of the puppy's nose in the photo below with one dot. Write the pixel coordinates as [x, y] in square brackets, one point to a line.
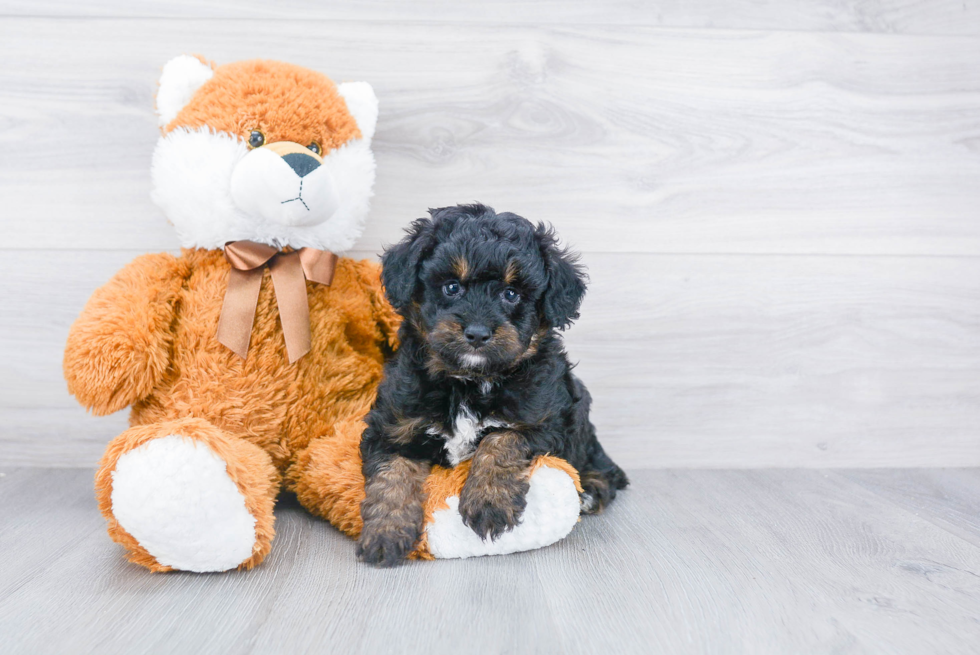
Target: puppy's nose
[477, 335]
[301, 163]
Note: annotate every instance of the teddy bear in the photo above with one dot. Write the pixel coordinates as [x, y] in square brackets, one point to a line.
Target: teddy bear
[250, 359]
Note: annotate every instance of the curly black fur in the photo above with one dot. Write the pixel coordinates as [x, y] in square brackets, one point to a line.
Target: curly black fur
[483, 295]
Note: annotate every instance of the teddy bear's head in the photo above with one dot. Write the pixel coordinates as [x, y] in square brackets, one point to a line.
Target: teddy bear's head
[263, 151]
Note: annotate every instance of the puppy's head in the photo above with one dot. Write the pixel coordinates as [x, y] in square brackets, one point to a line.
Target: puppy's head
[481, 288]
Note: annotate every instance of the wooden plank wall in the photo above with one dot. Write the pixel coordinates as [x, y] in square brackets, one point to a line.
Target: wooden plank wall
[778, 202]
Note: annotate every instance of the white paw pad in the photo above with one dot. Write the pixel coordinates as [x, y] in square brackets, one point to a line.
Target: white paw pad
[551, 512]
[174, 496]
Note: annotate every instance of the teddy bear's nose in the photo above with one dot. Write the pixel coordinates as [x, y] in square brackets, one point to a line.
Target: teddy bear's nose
[301, 163]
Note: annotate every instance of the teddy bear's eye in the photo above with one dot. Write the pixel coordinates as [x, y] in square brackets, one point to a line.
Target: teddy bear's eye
[315, 147]
[256, 139]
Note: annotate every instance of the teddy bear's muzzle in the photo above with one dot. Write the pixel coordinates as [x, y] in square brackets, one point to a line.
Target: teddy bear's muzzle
[286, 183]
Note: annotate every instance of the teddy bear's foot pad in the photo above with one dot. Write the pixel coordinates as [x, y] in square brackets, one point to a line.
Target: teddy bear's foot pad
[552, 511]
[174, 496]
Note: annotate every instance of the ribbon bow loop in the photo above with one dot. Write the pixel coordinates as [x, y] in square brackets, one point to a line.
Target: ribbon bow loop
[289, 270]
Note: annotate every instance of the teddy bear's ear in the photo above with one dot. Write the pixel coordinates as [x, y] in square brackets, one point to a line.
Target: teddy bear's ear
[362, 104]
[181, 77]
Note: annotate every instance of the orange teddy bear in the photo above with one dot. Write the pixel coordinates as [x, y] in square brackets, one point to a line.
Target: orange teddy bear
[250, 359]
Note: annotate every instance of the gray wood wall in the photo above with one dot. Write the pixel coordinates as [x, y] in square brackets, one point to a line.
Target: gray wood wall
[778, 202]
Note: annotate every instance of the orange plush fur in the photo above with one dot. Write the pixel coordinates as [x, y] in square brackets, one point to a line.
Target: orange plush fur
[284, 102]
[265, 417]
[147, 338]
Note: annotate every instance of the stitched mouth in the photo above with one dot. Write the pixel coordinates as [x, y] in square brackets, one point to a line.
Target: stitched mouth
[298, 197]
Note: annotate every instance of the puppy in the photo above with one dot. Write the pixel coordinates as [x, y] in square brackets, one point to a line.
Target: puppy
[481, 373]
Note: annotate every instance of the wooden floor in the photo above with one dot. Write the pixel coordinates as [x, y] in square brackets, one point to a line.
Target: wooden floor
[689, 561]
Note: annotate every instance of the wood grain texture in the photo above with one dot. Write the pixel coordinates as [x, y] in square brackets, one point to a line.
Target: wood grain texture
[780, 221]
[56, 436]
[627, 138]
[710, 361]
[886, 16]
[717, 562]
[780, 561]
[946, 497]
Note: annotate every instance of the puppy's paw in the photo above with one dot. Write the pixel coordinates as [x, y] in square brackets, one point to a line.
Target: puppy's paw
[492, 509]
[599, 488]
[386, 545]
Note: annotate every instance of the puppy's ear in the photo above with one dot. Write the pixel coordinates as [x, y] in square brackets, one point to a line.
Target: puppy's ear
[400, 263]
[566, 280]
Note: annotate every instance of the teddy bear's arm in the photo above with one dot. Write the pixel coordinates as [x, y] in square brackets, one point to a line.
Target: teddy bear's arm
[385, 315]
[119, 346]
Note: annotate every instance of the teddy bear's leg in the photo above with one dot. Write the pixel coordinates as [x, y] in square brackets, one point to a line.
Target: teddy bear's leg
[552, 510]
[327, 479]
[185, 495]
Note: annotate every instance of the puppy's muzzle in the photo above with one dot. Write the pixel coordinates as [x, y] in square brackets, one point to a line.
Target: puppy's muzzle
[286, 183]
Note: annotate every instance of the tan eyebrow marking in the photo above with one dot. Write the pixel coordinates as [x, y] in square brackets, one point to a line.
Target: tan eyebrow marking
[510, 273]
[461, 267]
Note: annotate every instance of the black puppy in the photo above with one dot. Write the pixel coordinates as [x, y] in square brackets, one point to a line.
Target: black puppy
[481, 373]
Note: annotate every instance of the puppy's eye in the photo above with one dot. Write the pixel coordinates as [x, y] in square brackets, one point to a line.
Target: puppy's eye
[510, 296]
[452, 288]
[256, 139]
[315, 147]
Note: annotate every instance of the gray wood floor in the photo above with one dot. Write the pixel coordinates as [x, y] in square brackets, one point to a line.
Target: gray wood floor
[689, 561]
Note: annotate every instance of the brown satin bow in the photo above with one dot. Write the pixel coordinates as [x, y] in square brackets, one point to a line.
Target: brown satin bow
[290, 270]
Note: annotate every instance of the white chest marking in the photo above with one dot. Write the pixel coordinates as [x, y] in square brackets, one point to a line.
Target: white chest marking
[466, 429]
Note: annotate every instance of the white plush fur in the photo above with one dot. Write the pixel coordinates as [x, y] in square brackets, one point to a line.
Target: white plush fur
[181, 77]
[362, 104]
[192, 177]
[267, 189]
[174, 496]
[551, 513]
